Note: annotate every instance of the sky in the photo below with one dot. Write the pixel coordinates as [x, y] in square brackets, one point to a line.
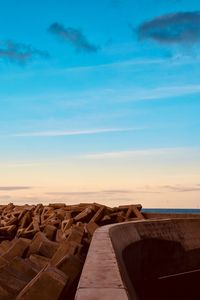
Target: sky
[100, 102]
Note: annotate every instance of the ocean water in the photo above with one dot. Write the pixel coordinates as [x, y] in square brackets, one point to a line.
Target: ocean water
[171, 210]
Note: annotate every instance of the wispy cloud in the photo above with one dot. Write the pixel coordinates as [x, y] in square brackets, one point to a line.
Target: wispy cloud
[118, 64]
[178, 59]
[177, 28]
[74, 132]
[14, 188]
[164, 92]
[73, 36]
[5, 197]
[20, 165]
[182, 188]
[72, 193]
[170, 91]
[115, 95]
[102, 193]
[90, 192]
[114, 191]
[19, 53]
[141, 153]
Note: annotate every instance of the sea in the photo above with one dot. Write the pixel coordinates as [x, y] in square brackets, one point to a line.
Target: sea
[171, 210]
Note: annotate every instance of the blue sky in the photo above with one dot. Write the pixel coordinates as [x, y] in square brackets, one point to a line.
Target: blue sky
[100, 96]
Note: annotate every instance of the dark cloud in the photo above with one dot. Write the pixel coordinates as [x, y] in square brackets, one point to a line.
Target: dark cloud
[14, 188]
[19, 53]
[178, 28]
[73, 36]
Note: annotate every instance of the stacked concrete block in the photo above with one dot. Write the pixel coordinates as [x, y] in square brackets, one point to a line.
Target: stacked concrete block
[43, 248]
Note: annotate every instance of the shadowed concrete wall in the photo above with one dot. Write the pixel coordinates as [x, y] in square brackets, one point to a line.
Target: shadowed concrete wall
[148, 253]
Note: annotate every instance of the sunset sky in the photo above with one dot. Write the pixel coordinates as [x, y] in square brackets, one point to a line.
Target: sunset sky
[100, 101]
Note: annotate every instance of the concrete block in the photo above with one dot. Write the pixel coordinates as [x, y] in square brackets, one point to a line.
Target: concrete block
[4, 246]
[18, 248]
[122, 207]
[42, 245]
[35, 267]
[10, 282]
[106, 220]
[48, 248]
[3, 263]
[76, 234]
[8, 208]
[47, 285]
[91, 227]
[39, 260]
[65, 248]
[68, 215]
[60, 214]
[57, 205]
[38, 209]
[8, 231]
[50, 232]
[12, 221]
[60, 236]
[121, 216]
[36, 223]
[25, 220]
[66, 224]
[98, 215]
[28, 234]
[137, 213]
[85, 215]
[21, 269]
[72, 266]
[4, 294]
[35, 243]
[129, 213]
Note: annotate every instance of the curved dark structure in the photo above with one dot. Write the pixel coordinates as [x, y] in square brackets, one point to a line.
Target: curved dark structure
[164, 263]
